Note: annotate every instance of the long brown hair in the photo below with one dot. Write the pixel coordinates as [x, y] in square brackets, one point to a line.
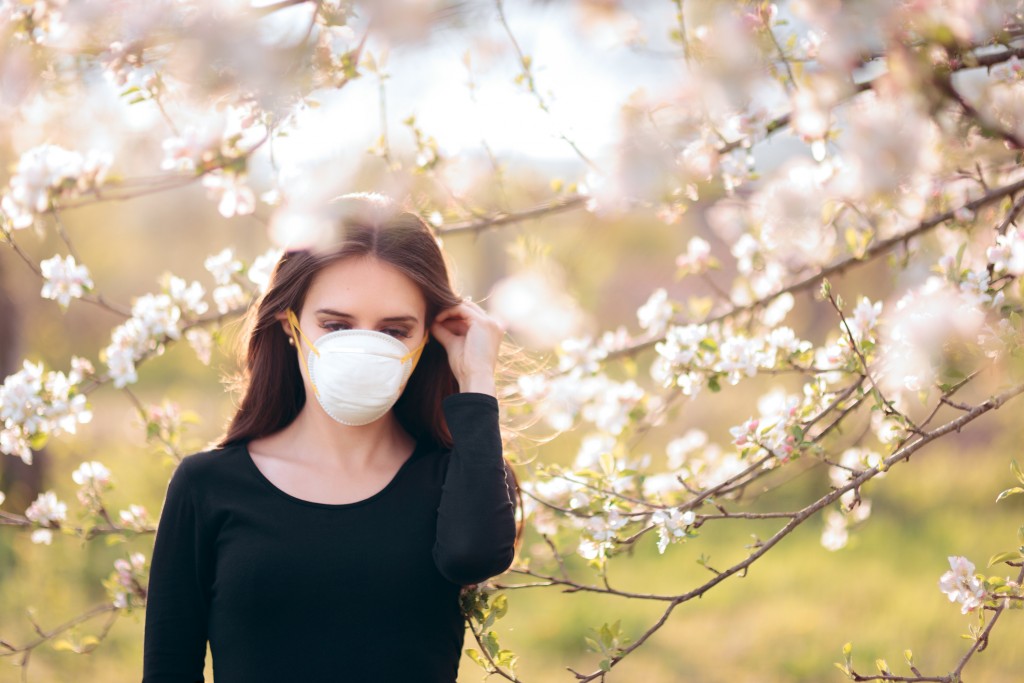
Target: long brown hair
[271, 380]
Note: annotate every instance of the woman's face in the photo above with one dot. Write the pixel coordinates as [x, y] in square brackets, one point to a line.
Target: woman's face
[363, 293]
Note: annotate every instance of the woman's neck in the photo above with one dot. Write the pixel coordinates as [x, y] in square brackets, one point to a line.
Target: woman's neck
[323, 440]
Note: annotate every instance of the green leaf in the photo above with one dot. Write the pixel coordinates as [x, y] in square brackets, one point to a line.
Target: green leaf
[114, 539]
[960, 257]
[507, 658]
[38, 440]
[605, 665]
[1015, 468]
[500, 606]
[63, 644]
[1009, 492]
[1004, 557]
[478, 658]
[606, 636]
[842, 667]
[491, 643]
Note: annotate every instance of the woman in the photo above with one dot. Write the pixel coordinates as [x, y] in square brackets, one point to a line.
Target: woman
[328, 535]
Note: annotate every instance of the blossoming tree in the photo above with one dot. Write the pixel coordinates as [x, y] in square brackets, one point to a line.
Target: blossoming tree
[901, 126]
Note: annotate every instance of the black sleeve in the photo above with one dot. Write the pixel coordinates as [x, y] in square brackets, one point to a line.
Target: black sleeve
[476, 524]
[174, 648]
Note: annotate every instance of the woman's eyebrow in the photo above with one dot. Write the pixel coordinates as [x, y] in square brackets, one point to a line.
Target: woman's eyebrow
[391, 319]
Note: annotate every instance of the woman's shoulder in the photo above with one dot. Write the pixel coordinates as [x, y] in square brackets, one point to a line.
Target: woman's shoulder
[204, 463]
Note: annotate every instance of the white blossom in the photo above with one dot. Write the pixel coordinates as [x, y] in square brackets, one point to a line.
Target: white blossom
[835, 536]
[656, 313]
[195, 147]
[21, 400]
[810, 115]
[233, 196]
[229, 297]
[223, 266]
[852, 462]
[65, 279]
[788, 209]
[739, 357]
[128, 342]
[122, 61]
[48, 172]
[93, 474]
[592, 449]
[35, 404]
[188, 297]
[662, 485]
[42, 536]
[697, 258]
[699, 160]
[1007, 255]
[128, 578]
[610, 408]
[671, 525]
[961, 585]
[864, 320]
[599, 533]
[154, 317]
[47, 509]
[856, 508]
[201, 341]
[80, 369]
[158, 315]
[135, 517]
[924, 323]
[43, 17]
[745, 250]
[262, 267]
[888, 143]
[678, 448]
[776, 311]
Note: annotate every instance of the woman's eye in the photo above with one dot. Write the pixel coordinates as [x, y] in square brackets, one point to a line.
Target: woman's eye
[333, 325]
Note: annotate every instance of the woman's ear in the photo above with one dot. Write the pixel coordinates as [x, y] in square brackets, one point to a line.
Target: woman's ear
[282, 317]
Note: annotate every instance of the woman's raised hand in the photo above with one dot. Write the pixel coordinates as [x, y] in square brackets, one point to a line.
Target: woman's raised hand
[471, 337]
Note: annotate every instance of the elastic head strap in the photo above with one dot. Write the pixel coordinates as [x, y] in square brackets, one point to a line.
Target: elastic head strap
[297, 332]
[415, 353]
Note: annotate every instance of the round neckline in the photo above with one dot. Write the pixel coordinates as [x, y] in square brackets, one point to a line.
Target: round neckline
[334, 506]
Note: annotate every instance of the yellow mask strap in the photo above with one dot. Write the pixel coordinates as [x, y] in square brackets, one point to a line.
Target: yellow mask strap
[417, 352]
[297, 332]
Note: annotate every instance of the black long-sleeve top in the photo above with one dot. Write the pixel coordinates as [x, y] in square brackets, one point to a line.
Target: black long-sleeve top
[286, 589]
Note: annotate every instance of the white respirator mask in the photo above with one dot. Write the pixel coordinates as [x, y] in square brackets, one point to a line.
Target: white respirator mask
[357, 375]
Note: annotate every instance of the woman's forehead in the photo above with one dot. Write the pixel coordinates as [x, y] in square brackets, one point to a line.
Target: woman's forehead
[365, 284]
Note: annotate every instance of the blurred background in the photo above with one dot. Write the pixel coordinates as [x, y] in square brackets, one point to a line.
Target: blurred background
[452, 92]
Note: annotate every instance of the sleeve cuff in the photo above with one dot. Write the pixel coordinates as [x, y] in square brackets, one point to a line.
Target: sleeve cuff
[469, 397]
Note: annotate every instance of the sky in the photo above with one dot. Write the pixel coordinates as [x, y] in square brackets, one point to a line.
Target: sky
[584, 74]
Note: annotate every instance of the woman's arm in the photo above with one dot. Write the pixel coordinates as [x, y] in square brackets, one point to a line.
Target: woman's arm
[176, 605]
[476, 525]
